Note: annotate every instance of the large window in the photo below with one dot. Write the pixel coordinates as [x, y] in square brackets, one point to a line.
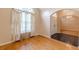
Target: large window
[26, 20]
[26, 14]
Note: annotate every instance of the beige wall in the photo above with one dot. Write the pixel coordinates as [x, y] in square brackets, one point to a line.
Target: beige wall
[45, 20]
[41, 25]
[36, 23]
[5, 28]
[41, 22]
[70, 25]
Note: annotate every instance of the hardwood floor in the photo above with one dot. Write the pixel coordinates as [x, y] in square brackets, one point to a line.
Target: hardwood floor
[38, 43]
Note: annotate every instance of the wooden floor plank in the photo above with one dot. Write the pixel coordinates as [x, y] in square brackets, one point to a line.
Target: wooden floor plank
[38, 43]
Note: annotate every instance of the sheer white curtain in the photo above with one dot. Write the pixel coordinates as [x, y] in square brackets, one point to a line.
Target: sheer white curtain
[25, 22]
[22, 23]
[15, 26]
[25, 25]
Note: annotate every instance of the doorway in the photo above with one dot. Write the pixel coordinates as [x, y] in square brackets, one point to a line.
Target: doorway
[65, 21]
[65, 26]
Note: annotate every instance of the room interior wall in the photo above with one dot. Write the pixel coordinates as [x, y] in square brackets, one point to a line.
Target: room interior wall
[5, 28]
[36, 23]
[45, 20]
[70, 25]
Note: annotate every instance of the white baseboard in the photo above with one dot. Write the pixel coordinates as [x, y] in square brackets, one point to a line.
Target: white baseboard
[6, 43]
[45, 36]
[13, 40]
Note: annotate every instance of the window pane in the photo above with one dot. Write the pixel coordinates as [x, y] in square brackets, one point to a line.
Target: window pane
[23, 22]
[28, 23]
